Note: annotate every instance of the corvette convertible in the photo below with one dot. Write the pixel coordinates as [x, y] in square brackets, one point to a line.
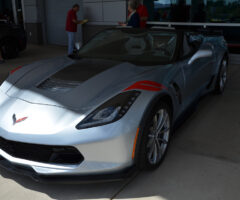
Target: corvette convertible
[112, 109]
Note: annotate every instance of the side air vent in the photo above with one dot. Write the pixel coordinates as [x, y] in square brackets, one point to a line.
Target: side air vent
[177, 92]
[56, 85]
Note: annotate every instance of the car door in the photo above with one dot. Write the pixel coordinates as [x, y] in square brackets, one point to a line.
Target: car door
[208, 64]
[197, 70]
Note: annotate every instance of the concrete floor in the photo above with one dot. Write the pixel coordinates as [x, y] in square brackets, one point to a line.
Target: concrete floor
[203, 162]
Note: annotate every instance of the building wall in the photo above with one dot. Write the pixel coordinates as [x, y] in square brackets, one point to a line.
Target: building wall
[34, 20]
[101, 14]
[105, 11]
[55, 20]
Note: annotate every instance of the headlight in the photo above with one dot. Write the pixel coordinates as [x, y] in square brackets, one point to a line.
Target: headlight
[111, 111]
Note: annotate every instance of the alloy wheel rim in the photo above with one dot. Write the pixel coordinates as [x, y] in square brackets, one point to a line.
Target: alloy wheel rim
[158, 137]
[223, 77]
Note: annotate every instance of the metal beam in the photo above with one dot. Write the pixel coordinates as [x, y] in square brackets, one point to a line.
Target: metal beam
[194, 24]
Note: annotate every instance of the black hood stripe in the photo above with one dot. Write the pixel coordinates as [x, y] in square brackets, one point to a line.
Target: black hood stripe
[84, 69]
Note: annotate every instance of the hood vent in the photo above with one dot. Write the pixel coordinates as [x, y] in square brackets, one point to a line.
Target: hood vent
[56, 85]
[72, 76]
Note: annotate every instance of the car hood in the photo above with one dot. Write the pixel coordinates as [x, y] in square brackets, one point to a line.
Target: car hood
[72, 84]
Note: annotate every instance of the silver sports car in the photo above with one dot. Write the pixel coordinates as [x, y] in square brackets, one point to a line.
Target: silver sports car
[113, 108]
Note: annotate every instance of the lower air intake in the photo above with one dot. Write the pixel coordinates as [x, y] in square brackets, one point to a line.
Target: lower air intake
[65, 155]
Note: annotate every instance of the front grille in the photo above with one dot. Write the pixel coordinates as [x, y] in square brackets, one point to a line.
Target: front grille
[42, 153]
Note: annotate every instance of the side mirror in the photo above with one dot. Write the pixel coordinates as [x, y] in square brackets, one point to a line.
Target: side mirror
[195, 40]
[200, 54]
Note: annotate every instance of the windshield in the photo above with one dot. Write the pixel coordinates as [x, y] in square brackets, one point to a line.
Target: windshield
[141, 47]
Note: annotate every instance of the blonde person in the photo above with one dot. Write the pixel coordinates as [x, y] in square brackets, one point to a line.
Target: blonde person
[133, 18]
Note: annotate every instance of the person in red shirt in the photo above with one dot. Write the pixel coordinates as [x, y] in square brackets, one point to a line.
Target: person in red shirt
[71, 27]
[143, 13]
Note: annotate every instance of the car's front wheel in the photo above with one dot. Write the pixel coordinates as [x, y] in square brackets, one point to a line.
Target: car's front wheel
[155, 137]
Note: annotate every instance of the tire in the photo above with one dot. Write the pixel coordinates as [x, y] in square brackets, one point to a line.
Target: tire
[153, 143]
[9, 49]
[222, 77]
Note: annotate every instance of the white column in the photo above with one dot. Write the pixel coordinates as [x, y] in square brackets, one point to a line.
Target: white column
[14, 8]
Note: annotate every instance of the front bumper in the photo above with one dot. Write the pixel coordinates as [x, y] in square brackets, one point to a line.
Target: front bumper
[84, 171]
[29, 172]
[98, 159]
[106, 153]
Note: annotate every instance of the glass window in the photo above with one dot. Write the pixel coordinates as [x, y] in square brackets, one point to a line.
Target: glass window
[135, 46]
[216, 11]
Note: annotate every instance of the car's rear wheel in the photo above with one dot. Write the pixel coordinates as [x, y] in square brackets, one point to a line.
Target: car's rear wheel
[155, 138]
[9, 49]
[222, 77]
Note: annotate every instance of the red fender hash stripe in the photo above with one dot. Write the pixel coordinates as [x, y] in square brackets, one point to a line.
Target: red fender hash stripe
[14, 70]
[20, 120]
[146, 85]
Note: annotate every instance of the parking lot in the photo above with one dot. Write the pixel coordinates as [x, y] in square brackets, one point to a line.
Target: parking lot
[203, 161]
